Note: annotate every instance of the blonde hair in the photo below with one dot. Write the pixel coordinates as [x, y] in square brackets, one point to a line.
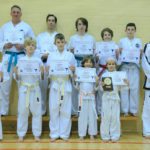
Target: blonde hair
[29, 41]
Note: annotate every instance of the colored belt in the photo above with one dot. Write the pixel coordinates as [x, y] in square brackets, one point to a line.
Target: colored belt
[12, 55]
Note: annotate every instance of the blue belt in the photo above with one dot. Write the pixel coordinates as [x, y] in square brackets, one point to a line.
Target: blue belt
[12, 54]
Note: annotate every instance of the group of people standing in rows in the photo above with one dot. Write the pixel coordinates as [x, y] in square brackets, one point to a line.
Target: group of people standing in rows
[67, 96]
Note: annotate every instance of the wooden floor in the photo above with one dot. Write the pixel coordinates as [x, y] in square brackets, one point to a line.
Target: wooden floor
[128, 141]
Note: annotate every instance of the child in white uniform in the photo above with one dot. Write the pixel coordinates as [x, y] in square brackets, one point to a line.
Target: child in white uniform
[83, 39]
[29, 94]
[130, 97]
[87, 119]
[60, 93]
[104, 49]
[146, 107]
[110, 116]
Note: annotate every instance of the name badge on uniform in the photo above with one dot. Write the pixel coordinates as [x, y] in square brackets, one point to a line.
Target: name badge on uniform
[59, 67]
[83, 48]
[85, 74]
[132, 56]
[28, 67]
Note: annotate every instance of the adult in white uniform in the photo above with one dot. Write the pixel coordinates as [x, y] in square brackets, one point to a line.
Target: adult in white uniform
[45, 45]
[130, 97]
[85, 41]
[104, 49]
[146, 107]
[29, 94]
[12, 35]
[60, 93]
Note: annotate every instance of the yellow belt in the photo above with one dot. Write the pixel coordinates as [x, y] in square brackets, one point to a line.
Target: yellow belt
[29, 88]
[61, 81]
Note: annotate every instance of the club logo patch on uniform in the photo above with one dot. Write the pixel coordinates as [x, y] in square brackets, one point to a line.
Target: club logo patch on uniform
[137, 45]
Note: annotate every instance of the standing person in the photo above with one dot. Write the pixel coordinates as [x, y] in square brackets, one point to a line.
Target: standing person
[60, 92]
[146, 107]
[45, 44]
[12, 35]
[80, 42]
[130, 97]
[29, 93]
[87, 116]
[110, 116]
[104, 49]
[1, 80]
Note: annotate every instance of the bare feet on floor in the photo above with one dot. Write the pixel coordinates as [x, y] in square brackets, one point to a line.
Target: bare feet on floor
[37, 138]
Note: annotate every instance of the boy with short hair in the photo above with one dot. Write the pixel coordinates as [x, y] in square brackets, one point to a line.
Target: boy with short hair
[60, 92]
[29, 93]
[130, 98]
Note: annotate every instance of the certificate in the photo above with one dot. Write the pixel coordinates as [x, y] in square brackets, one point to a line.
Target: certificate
[15, 37]
[118, 77]
[59, 67]
[85, 74]
[30, 67]
[130, 56]
[83, 48]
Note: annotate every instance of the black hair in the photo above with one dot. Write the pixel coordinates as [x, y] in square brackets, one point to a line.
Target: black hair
[131, 24]
[84, 21]
[86, 58]
[51, 15]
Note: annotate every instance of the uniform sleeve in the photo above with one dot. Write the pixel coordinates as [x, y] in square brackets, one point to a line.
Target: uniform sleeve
[120, 44]
[30, 33]
[2, 43]
[73, 61]
[140, 44]
[70, 43]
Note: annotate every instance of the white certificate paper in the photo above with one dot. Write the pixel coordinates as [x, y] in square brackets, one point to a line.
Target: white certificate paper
[83, 48]
[59, 67]
[118, 77]
[85, 74]
[30, 67]
[15, 37]
[130, 56]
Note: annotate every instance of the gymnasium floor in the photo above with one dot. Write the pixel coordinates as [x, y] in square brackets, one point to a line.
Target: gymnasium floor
[128, 141]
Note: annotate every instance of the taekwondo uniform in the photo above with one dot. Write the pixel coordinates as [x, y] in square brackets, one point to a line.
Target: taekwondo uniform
[45, 44]
[146, 107]
[16, 35]
[87, 119]
[130, 97]
[60, 98]
[73, 43]
[29, 101]
[104, 50]
[110, 115]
